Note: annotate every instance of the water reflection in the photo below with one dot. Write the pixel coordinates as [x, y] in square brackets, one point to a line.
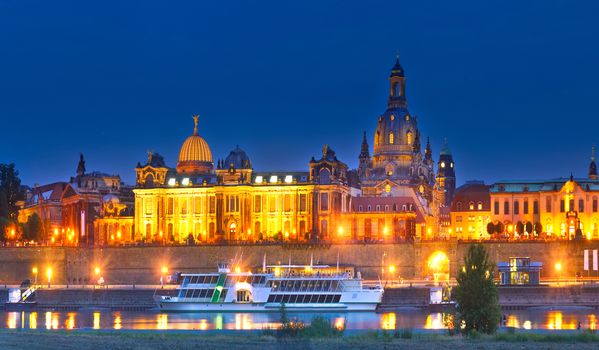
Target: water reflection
[414, 319]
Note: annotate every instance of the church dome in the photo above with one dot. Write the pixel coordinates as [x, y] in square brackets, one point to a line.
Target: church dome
[396, 132]
[238, 159]
[195, 156]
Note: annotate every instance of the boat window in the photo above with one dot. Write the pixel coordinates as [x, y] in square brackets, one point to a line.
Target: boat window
[196, 293]
[334, 285]
[188, 293]
[271, 299]
[318, 286]
[337, 298]
[327, 285]
[223, 294]
[209, 293]
[202, 293]
[304, 285]
[328, 299]
[193, 280]
[186, 280]
[182, 293]
[201, 279]
[311, 285]
[283, 285]
[292, 298]
[278, 298]
[286, 298]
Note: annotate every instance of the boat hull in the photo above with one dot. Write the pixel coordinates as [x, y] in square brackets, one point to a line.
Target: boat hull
[167, 306]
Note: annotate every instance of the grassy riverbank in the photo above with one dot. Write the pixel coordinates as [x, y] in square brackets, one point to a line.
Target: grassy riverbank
[33, 340]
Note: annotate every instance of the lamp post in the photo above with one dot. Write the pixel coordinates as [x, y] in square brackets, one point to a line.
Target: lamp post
[558, 269]
[34, 271]
[383, 266]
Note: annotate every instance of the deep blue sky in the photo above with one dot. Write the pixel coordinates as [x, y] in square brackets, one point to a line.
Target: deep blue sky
[513, 86]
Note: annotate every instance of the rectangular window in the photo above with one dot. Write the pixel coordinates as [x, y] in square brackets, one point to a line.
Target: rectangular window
[272, 203]
[562, 206]
[595, 205]
[212, 205]
[149, 206]
[571, 204]
[258, 204]
[287, 203]
[506, 208]
[581, 205]
[496, 208]
[324, 201]
[548, 204]
[197, 205]
[170, 206]
[303, 202]
[184, 206]
[535, 207]
[516, 208]
[525, 209]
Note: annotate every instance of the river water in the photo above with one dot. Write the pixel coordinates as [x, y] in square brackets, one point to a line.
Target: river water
[414, 319]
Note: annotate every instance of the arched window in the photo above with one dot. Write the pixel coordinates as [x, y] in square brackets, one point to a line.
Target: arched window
[409, 138]
[471, 206]
[391, 138]
[324, 177]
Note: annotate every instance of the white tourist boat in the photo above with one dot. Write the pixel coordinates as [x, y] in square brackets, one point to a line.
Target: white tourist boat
[298, 287]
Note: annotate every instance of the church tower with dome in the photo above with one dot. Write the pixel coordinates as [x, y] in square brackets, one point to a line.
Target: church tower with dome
[397, 162]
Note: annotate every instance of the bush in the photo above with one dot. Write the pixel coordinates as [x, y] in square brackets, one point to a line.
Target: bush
[320, 327]
[405, 333]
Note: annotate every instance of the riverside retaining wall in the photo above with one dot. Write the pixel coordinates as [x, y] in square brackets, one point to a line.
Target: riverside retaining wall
[142, 265]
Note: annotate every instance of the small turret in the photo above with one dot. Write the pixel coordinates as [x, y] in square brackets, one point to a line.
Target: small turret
[81, 166]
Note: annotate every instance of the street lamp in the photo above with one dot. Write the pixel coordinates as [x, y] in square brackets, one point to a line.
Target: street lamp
[49, 275]
[34, 271]
[558, 269]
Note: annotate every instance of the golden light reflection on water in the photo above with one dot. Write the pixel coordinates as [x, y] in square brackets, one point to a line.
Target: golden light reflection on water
[33, 320]
[388, 321]
[527, 325]
[243, 322]
[512, 321]
[162, 322]
[96, 324]
[118, 322]
[11, 321]
[435, 321]
[592, 321]
[340, 323]
[555, 320]
[203, 324]
[70, 322]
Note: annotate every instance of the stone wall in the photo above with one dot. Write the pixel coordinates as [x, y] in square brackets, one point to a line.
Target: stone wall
[142, 265]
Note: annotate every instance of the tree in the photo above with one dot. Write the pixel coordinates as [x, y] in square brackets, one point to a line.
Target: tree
[490, 228]
[476, 297]
[520, 227]
[10, 186]
[32, 230]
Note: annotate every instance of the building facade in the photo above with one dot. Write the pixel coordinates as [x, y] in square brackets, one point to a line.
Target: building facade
[471, 211]
[391, 196]
[562, 208]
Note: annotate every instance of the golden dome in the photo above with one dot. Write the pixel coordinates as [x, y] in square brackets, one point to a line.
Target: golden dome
[195, 155]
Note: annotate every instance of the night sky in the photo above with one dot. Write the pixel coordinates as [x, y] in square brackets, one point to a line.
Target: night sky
[513, 86]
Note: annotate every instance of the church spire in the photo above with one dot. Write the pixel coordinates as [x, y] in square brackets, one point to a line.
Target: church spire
[428, 152]
[81, 165]
[593, 166]
[364, 152]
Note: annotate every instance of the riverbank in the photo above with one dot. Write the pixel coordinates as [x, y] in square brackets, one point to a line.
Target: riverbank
[44, 340]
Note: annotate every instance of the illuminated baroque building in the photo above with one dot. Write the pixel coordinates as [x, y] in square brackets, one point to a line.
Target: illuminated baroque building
[471, 211]
[564, 208]
[392, 196]
[70, 211]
